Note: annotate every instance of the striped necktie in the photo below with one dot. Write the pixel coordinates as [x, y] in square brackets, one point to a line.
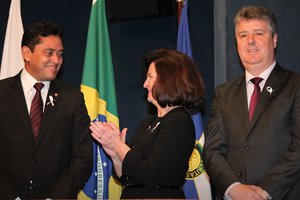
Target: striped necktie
[36, 109]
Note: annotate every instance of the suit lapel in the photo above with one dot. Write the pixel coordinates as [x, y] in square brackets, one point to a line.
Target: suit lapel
[18, 99]
[50, 109]
[241, 102]
[274, 83]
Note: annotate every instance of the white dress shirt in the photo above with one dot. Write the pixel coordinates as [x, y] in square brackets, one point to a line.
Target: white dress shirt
[29, 91]
[264, 75]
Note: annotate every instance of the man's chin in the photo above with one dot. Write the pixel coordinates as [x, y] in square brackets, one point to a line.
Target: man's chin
[50, 77]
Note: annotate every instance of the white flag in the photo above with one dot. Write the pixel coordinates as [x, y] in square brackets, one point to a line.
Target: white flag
[12, 61]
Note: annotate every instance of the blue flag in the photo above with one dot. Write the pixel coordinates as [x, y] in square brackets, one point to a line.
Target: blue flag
[197, 184]
[183, 37]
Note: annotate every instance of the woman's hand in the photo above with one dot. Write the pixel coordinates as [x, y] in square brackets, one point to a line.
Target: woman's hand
[108, 135]
[111, 139]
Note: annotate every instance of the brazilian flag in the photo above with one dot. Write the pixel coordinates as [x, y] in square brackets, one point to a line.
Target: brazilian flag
[98, 87]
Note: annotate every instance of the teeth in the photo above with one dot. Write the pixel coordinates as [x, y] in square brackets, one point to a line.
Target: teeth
[52, 68]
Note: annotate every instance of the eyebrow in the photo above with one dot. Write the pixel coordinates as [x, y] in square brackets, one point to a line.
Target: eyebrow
[255, 30]
[50, 49]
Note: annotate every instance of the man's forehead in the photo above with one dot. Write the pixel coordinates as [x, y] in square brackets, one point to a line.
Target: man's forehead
[51, 42]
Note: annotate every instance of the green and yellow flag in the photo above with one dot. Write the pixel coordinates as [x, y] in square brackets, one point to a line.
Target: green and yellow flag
[98, 87]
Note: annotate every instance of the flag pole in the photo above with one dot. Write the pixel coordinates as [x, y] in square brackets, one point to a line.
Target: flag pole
[180, 4]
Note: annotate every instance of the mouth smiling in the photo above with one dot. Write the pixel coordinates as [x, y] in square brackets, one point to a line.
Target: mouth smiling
[52, 68]
[252, 51]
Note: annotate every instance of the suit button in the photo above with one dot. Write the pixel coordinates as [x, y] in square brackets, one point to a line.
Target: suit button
[30, 185]
[247, 147]
[133, 147]
[240, 174]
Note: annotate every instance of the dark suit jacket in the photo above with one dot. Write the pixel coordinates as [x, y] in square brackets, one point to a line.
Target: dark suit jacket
[159, 156]
[265, 152]
[60, 160]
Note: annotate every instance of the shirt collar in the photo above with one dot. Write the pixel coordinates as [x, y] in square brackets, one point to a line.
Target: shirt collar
[28, 81]
[265, 74]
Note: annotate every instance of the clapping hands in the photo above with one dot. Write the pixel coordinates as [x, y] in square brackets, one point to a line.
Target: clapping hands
[108, 134]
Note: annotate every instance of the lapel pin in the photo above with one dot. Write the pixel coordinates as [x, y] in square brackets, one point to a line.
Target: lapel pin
[51, 100]
[270, 90]
[152, 130]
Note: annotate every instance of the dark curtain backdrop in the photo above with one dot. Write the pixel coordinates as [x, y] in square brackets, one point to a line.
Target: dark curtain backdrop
[130, 40]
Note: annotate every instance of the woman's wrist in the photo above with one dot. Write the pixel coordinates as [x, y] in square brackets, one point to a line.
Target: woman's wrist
[121, 149]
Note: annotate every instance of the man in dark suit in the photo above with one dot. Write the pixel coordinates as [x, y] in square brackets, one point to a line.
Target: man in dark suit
[51, 159]
[256, 155]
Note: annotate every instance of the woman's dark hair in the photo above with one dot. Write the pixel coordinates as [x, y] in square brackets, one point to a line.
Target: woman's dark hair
[33, 33]
[178, 81]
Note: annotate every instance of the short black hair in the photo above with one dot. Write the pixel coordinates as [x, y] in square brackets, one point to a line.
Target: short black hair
[33, 32]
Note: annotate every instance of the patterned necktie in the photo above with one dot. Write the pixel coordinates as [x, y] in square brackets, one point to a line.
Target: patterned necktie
[36, 109]
[255, 96]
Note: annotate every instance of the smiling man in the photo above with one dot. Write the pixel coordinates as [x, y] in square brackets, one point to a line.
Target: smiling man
[252, 149]
[45, 144]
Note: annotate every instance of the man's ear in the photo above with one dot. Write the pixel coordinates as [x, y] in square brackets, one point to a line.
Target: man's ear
[26, 53]
[275, 40]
